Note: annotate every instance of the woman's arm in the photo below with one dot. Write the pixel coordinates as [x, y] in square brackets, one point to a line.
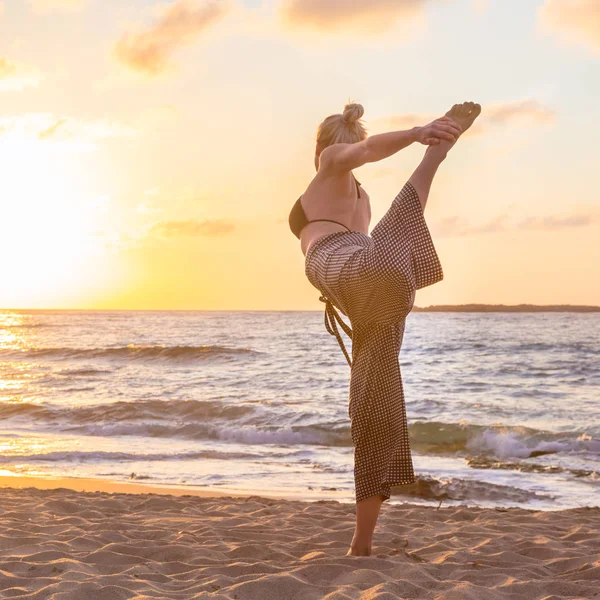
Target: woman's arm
[345, 157]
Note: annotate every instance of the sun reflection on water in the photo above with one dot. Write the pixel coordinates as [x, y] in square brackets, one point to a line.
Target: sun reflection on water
[16, 334]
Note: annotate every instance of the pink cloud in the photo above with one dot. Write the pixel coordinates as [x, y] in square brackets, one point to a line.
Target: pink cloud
[529, 111]
[148, 51]
[458, 227]
[572, 20]
[373, 16]
[46, 6]
[552, 222]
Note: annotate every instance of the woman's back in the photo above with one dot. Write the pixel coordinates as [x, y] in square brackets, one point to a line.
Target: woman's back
[333, 196]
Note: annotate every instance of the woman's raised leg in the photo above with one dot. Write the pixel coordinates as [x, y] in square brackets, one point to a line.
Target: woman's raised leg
[464, 114]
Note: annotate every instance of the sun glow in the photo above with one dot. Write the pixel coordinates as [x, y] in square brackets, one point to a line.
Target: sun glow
[49, 220]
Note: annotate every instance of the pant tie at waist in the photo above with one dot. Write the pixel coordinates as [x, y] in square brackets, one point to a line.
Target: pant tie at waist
[331, 316]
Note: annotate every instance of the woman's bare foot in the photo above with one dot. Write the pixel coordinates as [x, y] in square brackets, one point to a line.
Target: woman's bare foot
[464, 114]
[359, 551]
[360, 545]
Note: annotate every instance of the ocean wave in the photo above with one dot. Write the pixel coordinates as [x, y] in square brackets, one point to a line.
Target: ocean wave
[483, 462]
[220, 432]
[555, 348]
[255, 424]
[509, 442]
[500, 441]
[83, 372]
[127, 414]
[429, 488]
[99, 456]
[131, 352]
[179, 419]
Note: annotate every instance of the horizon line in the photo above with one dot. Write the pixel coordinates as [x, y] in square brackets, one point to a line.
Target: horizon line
[431, 307]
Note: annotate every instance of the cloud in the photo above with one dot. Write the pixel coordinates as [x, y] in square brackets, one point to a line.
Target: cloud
[458, 227]
[145, 209]
[480, 6]
[51, 131]
[70, 128]
[15, 76]
[192, 228]
[46, 6]
[7, 69]
[573, 21]
[552, 223]
[70, 133]
[366, 16]
[182, 22]
[528, 110]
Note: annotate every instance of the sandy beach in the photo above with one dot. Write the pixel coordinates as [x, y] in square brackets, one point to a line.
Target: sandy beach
[59, 542]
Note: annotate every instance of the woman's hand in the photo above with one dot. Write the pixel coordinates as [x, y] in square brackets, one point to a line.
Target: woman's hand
[443, 128]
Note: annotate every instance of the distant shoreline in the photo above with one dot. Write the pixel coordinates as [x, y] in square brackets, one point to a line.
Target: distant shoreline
[515, 308]
[507, 308]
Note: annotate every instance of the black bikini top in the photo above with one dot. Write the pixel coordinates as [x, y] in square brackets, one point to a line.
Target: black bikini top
[298, 218]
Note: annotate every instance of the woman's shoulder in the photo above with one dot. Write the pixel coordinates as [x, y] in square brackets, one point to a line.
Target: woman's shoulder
[328, 155]
[343, 158]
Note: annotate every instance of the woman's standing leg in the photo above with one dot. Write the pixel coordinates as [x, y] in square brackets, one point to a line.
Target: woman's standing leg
[401, 262]
[400, 240]
[367, 513]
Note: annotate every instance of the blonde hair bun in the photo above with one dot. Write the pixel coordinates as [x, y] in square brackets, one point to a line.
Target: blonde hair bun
[346, 128]
[353, 112]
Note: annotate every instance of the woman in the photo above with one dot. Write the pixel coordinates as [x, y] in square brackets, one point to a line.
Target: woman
[372, 280]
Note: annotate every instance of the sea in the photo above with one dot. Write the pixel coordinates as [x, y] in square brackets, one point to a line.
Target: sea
[503, 408]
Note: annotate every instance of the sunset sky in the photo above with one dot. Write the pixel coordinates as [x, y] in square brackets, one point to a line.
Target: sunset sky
[150, 152]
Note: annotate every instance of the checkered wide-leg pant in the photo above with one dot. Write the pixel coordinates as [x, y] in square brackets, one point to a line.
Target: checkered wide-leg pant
[372, 280]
